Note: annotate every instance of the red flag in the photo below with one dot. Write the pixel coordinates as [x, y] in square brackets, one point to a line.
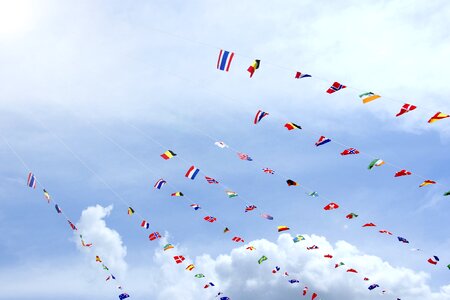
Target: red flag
[331, 206]
[402, 173]
[369, 225]
[314, 296]
[352, 271]
[385, 231]
[335, 87]
[406, 108]
[179, 259]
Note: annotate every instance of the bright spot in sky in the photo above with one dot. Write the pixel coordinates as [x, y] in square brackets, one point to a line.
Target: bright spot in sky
[15, 17]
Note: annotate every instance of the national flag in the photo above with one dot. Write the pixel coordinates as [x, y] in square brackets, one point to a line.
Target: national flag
[328, 256]
[224, 60]
[385, 231]
[199, 275]
[331, 206]
[405, 109]
[366, 279]
[253, 67]
[373, 286]
[375, 163]
[154, 235]
[299, 75]
[192, 172]
[367, 97]
[263, 258]
[168, 247]
[313, 247]
[251, 248]
[221, 144]
[208, 285]
[224, 298]
[244, 156]
[292, 126]
[130, 211]
[190, 267]
[268, 171]
[58, 210]
[259, 115]
[313, 194]
[305, 291]
[159, 184]
[427, 182]
[293, 281]
[237, 239]
[402, 173]
[433, 261]
[72, 225]
[314, 296]
[210, 219]
[447, 193]
[168, 155]
[98, 259]
[448, 266]
[47, 196]
[291, 182]
[298, 238]
[276, 269]
[226, 230]
[369, 225]
[351, 216]
[179, 259]
[349, 151]
[123, 296]
[177, 194]
[403, 240]
[31, 181]
[336, 86]
[338, 265]
[231, 194]
[195, 206]
[266, 216]
[282, 228]
[438, 116]
[105, 267]
[249, 208]
[211, 180]
[145, 224]
[351, 271]
[108, 278]
[322, 141]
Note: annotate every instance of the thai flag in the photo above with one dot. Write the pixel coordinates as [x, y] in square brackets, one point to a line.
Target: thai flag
[335, 87]
[192, 172]
[224, 60]
[211, 180]
[159, 184]
[259, 115]
[31, 182]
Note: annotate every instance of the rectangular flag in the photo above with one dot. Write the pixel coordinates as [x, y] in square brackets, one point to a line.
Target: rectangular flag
[438, 116]
[282, 228]
[31, 182]
[145, 224]
[405, 109]
[253, 67]
[301, 75]
[368, 97]
[177, 194]
[168, 155]
[159, 184]
[336, 86]
[211, 180]
[192, 172]
[224, 60]
[130, 211]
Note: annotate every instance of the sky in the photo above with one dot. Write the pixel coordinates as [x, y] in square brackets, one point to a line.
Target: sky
[94, 91]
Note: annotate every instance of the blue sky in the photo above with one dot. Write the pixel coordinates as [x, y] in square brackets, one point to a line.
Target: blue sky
[87, 72]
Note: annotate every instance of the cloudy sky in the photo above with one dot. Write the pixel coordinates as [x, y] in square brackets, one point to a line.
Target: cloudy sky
[94, 91]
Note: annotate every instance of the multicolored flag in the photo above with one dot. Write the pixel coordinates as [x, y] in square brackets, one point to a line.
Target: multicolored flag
[298, 238]
[231, 194]
[210, 219]
[226, 230]
[338, 265]
[259, 115]
[237, 239]
[291, 182]
[268, 171]
[438, 116]
[313, 194]
[195, 206]
[253, 67]
[250, 208]
[402, 173]
[368, 97]
[177, 194]
[159, 184]
[427, 182]
[351, 216]
[168, 155]
[403, 240]
[349, 151]
[369, 225]
[292, 126]
[221, 145]
[58, 210]
[211, 180]
[336, 86]
[72, 225]
[375, 163]
[433, 260]
[154, 235]
[47, 196]
[299, 75]
[192, 172]
[322, 141]
[385, 231]
[331, 206]
[190, 267]
[31, 181]
[244, 156]
[373, 286]
[168, 247]
[130, 211]
[224, 60]
[266, 216]
[282, 228]
[199, 276]
[405, 109]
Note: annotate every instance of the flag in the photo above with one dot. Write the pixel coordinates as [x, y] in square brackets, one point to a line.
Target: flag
[105, 267]
[314, 296]
[373, 286]
[144, 224]
[367, 97]
[97, 259]
[58, 210]
[208, 285]
[351, 216]
[221, 144]
[313, 194]
[282, 228]
[369, 225]
[438, 116]
[226, 230]
[154, 235]
[268, 171]
[405, 109]
[108, 278]
[31, 181]
[168, 155]
[251, 248]
[253, 67]
[292, 126]
[276, 269]
[338, 265]
[385, 231]
[195, 206]
[259, 115]
[448, 266]
[211, 180]
[403, 240]
[168, 247]
[130, 211]
[322, 141]
[291, 182]
[231, 194]
[328, 256]
[331, 206]
[351, 271]
[349, 151]
[249, 208]
[190, 267]
[266, 216]
[366, 279]
[47, 196]
[335, 87]
[210, 219]
[433, 261]
[298, 238]
[177, 194]
[179, 259]
[299, 75]
[123, 296]
[427, 182]
[192, 172]
[313, 247]
[199, 275]
[402, 173]
[244, 156]
[72, 225]
[225, 298]
[237, 239]
[224, 60]
[159, 184]
[263, 258]
[305, 291]
[375, 163]
[447, 193]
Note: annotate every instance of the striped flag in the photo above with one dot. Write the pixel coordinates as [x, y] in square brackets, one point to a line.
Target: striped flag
[224, 60]
[159, 184]
[250, 208]
[322, 141]
[168, 246]
[253, 67]
[375, 163]
[299, 75]
[154, 235]
[282, 228]
[145, 224]
[72, 225]
[130, 211]
[168, 155]
[192, 172]
[405, 109]
[211, 180]
[177, 194]
[336, 86]
[47, 196]
[292, 126]
[195, 206]
[231, 194]
[438, 116]
[237, 239]
[349, 151]
[58, 209]
[259, 115]
[368, 97]
[31, 182]
[244, 156]
[268, 171]
[190, 267]
[427, 182]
